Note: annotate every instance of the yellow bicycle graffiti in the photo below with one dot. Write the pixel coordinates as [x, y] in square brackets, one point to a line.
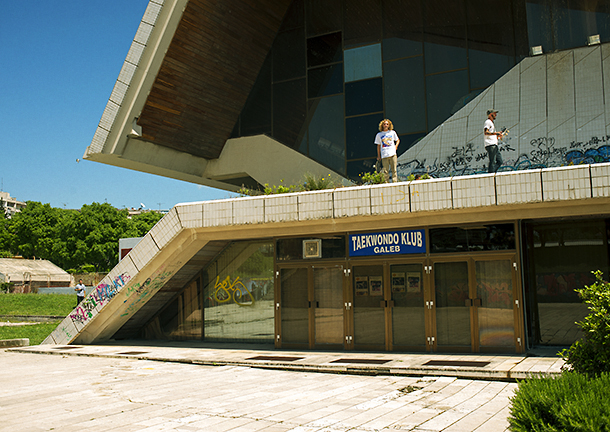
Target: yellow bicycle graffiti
[235, 290]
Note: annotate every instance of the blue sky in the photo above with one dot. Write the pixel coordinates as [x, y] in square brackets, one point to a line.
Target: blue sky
[59, 62]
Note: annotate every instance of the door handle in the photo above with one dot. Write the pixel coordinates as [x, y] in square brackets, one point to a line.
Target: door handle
[348, 305]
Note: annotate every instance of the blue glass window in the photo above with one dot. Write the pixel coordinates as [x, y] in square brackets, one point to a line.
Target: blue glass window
[362, 63]
[363, 97]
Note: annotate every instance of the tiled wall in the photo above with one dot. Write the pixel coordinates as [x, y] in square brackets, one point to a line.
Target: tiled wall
[555, 107]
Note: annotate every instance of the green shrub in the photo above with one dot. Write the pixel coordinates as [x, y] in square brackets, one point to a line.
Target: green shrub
[372, 178]
[313, 183]
[570, 402]
[591, 354]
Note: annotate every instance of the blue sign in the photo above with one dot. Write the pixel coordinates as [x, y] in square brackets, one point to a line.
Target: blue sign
[387, 243]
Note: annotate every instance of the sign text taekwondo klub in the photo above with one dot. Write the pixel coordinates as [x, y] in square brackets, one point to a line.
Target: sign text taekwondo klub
[391, 242]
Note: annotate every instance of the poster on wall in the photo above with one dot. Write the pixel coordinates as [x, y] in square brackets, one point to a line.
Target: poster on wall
[398, 282]
[414, 282]
[362, 285]
[376, 284]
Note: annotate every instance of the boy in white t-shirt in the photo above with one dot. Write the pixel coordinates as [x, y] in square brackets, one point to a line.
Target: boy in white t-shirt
[387, 142]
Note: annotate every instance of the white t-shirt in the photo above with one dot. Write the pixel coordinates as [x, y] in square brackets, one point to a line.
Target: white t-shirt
[490, 139]
[387, 141]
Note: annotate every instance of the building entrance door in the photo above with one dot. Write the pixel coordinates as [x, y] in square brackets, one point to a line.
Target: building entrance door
[475, 305]
[310, 307]
[388, 301]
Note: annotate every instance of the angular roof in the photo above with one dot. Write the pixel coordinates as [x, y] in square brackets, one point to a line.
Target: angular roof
[186, 78]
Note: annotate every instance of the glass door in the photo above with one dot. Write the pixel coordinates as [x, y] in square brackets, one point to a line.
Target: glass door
[476, 305]
[452, 306]
[408, 307]
[327, 305]
[310, 307]
[294, 310]
[495, 305]
[369, 305]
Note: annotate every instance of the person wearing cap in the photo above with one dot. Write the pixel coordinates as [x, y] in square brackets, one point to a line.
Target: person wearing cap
[387, 143]
[491, 141]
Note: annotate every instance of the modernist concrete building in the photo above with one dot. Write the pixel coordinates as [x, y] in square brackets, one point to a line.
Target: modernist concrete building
[239, 93]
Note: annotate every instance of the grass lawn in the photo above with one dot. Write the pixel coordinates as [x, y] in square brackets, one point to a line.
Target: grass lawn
[34, 304]
[37, 304]
[36, 333]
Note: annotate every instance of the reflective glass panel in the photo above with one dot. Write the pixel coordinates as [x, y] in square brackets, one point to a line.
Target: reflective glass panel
[405, 96]
[323, 16]
[444, 95]
[575, 20]
[562, 256]
[462, 239]
[452, 315]
[408, 141]
[289, 110]
[325, 81]
[239, 295]
[362, 21]
[328, 297]
[403, 28]
[361, 133]
[294, 306]
[442, 58]
[496, 315]
[356, 168]
[408, 320]
[325, 49]
[294, 16]
[539, 24]
[256, 115]
[363, 62]
[289, 55]
[326, 133]
[369, 313]
[363, 97]
[182, 319]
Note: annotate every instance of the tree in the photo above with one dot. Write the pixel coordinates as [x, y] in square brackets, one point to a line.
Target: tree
[143, 223]
[34, 230]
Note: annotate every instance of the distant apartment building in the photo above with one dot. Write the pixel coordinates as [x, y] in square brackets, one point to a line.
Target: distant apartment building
[10, 205]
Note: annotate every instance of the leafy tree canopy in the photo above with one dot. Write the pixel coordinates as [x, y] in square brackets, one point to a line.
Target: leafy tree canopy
[72, 239]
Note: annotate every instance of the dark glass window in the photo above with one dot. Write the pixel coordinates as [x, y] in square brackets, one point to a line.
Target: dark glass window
[441, 58]
[356, 168]
[362, 21]
[403, 28]
[289, 111]
[325, 49]
[362, 63]
[326, 133]
[363, 97]
[487, 67]
[560, 257]
[444, 95]
[292, 248]
[325, 81]
[323, 16]
[405, 96]
[294, 15]
[361, 133]
[539, 24]
[466, 239]
[289, 55]
[256, 115]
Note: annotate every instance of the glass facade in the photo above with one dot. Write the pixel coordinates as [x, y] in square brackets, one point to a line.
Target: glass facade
[338, 67]
[560, 257]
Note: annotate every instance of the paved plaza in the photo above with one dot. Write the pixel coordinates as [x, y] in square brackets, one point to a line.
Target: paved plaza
[85, 391]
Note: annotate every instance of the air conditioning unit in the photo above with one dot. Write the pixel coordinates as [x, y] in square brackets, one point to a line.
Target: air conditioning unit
[312, 248]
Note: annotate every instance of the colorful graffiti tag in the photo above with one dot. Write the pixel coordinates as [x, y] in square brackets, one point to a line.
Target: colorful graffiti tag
[226, 290]
[543, 152]
[98, 297]
[139, 293]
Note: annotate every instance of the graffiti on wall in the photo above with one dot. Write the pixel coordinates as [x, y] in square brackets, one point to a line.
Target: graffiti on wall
[101, 295]
[226, 290]
[542, 152]
[141, 292]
